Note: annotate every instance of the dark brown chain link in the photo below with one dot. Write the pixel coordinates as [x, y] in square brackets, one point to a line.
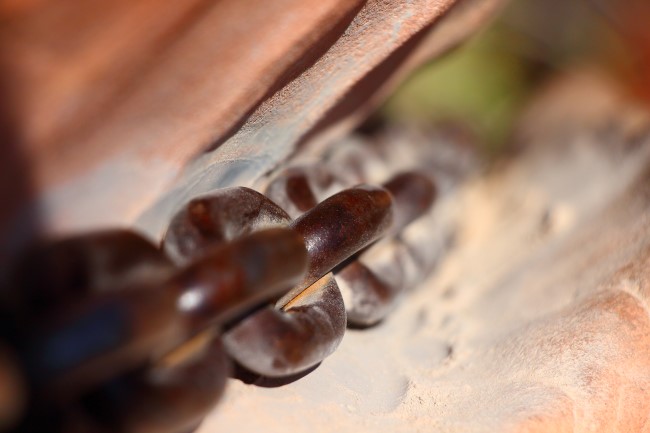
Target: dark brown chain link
[113, 333]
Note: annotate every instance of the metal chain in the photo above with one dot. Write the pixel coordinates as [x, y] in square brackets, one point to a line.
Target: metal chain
[112, 333]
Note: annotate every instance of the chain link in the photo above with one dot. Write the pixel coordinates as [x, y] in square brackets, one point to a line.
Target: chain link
[112, 332]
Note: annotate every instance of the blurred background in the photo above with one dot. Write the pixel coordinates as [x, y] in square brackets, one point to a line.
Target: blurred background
[486, 82]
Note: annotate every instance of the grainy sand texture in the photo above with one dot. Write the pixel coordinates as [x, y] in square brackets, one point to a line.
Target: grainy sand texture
[536, 318]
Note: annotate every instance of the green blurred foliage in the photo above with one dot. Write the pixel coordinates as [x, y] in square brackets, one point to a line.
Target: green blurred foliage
[486, 82]
[480, 83]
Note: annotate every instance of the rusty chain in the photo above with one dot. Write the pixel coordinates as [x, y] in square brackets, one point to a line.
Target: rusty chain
[110, 332]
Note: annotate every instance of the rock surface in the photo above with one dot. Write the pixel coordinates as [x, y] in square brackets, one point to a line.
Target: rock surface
[112, 104]
[537, 318]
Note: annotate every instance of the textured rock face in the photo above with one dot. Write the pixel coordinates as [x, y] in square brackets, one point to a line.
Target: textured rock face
[110, 101]
[537, 318]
